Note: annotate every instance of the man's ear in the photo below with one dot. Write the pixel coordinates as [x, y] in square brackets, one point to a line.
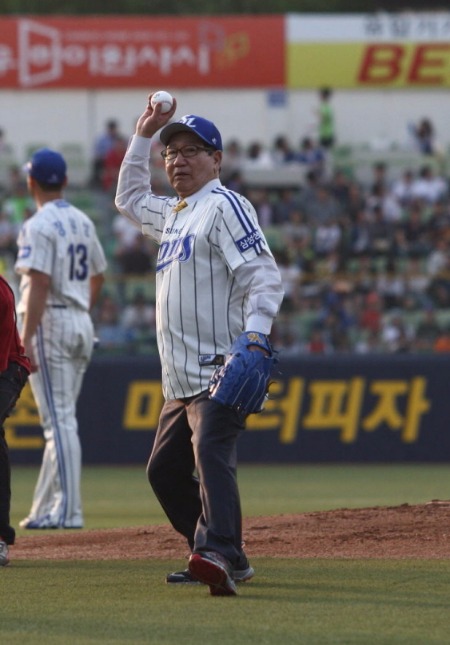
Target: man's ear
[217, 154]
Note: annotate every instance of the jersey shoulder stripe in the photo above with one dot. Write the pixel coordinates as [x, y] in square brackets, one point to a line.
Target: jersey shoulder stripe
[237, 207]
[253, 236]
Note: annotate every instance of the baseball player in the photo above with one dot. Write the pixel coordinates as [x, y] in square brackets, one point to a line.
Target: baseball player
[215, 279]
[61, 263]
[14, 371]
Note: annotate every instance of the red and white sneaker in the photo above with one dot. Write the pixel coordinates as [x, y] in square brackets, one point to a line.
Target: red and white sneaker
[213, 570]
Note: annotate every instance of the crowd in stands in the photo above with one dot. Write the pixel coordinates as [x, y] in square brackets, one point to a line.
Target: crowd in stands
[365, 264]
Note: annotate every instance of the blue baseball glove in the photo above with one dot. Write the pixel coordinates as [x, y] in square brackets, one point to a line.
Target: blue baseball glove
[242, 382]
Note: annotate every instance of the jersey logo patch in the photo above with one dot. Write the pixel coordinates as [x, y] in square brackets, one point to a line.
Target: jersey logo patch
[249, 241]
[24, 252]
[178, 250]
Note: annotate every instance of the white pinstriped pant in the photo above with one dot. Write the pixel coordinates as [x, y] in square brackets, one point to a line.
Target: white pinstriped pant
[63, 347]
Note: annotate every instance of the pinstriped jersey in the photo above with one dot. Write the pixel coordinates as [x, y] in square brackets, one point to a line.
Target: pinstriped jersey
[61, 241]
[200, 306]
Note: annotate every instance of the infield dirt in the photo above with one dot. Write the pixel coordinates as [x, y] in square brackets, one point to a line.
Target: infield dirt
[400, 532]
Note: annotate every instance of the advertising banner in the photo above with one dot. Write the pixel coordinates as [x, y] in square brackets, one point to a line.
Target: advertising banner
[117, 52]
[366, 51]
[348, 409]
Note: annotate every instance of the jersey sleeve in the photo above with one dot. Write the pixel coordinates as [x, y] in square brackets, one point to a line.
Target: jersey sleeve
[35, 249]
[134, 197]
[240, 238]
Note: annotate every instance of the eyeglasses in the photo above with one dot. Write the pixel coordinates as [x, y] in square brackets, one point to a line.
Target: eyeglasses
[186, 151]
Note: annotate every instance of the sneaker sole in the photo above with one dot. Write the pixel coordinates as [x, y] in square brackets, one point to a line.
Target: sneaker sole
[237, 577]
[33, 527]
[218, 580]
[243, 576]
[173, 579]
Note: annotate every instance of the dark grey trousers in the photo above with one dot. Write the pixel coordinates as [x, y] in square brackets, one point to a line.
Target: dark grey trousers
[192, 470]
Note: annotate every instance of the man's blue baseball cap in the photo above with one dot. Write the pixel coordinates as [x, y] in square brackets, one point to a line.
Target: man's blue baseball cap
[203, 128]
[47, 167]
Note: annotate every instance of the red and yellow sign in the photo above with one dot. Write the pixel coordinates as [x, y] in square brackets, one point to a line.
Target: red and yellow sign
[191, 52]
[369, 51]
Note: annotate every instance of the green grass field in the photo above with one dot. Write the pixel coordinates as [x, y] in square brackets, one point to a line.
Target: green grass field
[311, 601]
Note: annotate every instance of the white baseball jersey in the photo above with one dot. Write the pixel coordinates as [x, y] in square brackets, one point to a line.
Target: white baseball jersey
[215, 274]
[61, 241]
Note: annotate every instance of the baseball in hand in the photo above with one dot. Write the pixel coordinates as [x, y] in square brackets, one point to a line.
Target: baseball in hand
[164, 98]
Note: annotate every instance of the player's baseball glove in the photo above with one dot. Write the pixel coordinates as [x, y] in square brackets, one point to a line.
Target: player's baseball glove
[242, 382]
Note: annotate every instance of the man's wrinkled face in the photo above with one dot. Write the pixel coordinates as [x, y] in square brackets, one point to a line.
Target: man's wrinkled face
[188, 174]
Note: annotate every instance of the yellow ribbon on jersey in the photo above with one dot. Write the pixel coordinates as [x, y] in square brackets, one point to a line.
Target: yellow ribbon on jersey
[180, 206]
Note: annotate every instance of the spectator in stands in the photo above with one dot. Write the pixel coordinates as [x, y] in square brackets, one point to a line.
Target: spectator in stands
[110, 332]
[8, 246]
[291, 275]
[429, 187]
[381, 233]
[286, 203]
[356, 201]
[424, 136]
[327, 238]
[236, 182]
[442, 342]
[288, 343]
[139, 319]
[333, 333]
[390, 284]
[379, 196]
[257, 157]
[439, 291]
[371, 315]
[427, 331]
[111, 165]
[402, 188]
[317, 343]
[282, 152]
[102, 146]
[417, 281]
[336, 318]
[380, 175]
[416, 232]
[396, 336]
[321, 205]
[139, 314]
[18, 205]
[358, 241]
[312, 156]
[439, 220]
[340, 188]
[302, 254]
[260, 199]
[232, 160]
[365, 275]
[137, 258]
[326, 122]
[438, 261]
[295, 231]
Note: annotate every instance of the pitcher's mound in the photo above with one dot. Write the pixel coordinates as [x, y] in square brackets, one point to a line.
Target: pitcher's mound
[419, 531]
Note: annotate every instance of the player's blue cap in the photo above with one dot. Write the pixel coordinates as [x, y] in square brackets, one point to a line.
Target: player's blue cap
[47, 167]
[203, 128]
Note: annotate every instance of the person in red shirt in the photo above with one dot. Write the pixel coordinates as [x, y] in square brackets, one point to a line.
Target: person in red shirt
[14, 371]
